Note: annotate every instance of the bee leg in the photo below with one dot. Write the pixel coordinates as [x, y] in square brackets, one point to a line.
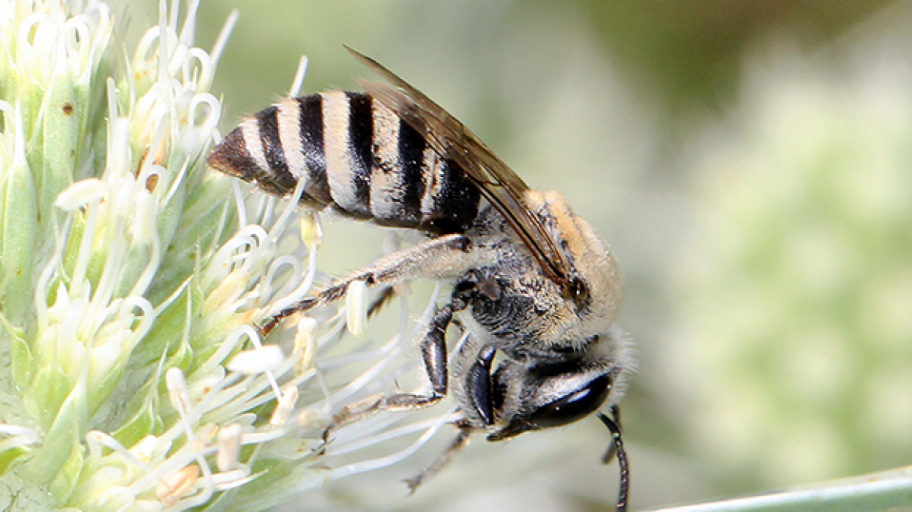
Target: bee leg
[434, 350]
[439, 257]
[382, 299]
[460, 442]
[434, 354]
[478, 379]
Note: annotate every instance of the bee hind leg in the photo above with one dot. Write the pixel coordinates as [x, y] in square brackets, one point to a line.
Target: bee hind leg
[437, 258]
[385, 295]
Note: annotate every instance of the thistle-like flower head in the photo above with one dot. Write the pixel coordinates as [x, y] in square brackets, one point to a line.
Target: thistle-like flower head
[130, 280]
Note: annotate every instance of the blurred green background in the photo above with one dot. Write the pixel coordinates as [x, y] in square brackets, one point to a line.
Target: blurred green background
[748, 163]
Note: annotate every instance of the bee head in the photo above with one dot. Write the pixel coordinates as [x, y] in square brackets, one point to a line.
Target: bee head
[547, 393]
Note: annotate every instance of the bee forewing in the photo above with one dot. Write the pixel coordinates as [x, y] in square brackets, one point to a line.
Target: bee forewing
[452, 140]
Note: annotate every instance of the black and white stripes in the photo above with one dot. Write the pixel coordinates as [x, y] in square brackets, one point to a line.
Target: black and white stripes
[357, 157]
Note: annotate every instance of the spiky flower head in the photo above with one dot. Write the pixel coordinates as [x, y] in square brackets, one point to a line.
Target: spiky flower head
[130, 278]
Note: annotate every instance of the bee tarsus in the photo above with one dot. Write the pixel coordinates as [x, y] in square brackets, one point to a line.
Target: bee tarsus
[458, 444]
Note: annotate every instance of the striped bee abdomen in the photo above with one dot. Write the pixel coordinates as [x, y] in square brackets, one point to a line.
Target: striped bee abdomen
[356, 156]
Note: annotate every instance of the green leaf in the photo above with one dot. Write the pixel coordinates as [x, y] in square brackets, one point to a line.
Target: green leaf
[60, 442]
[48, 392]
[18, 236]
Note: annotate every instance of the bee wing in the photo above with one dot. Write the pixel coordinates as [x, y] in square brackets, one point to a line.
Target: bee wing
[452, 140]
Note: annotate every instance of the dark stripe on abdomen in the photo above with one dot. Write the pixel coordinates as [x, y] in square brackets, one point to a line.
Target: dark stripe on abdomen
[392, 175]
[361, 137]
[411, 162]
[455, 201]
[311, 132]
[279, 178]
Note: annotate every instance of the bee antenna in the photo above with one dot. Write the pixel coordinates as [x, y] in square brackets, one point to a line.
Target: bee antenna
[615, 428]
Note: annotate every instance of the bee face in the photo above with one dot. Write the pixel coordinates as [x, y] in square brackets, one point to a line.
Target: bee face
[534, 395]
[534, 286]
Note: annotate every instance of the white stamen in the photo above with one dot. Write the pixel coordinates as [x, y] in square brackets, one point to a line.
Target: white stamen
[370, 465]
[21, 437]
[356, 307]
[305, 343]
[266, 359]
[223, 36]
[299, 77]
[146, 214]
[174, 486]
[229, 447]
[286, 406]
[81, 193]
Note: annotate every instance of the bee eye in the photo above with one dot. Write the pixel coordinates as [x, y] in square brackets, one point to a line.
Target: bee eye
[579, 292]
[575, 406]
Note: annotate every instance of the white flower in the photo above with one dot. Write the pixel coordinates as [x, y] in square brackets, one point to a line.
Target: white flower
[132, 377]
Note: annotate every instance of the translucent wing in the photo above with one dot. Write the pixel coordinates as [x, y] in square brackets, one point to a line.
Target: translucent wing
[453, 141]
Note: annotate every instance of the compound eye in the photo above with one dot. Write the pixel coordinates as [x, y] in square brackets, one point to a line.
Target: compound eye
[573, 407]
[579, 292]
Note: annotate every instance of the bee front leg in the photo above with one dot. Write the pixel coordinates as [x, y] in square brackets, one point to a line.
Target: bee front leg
[437, 258]
[434, 354]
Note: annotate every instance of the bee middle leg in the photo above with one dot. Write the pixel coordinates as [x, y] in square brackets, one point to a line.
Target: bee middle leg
[434, 355]
[439, 257]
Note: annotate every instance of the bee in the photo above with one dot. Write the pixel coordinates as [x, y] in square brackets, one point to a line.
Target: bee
[533, 285]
